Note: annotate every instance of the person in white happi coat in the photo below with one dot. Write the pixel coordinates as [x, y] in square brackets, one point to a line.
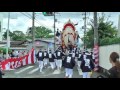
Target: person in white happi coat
[55, 59]
[73, 54]
[69, 63]
[80, 58]
[45, 58]
[76, 56]
[92, 56]
[40, 57]
[59, 56]
[87, 65]
[51, 60]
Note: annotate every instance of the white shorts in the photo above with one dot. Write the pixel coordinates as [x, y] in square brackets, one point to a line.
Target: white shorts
[79, 63]
[59, 63]
[69, 72]
[45, 61]
[52, 64]
[40, 64]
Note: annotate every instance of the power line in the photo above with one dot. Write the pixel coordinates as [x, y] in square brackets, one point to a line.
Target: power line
[35, 18]
[30, 17]
[37, 21]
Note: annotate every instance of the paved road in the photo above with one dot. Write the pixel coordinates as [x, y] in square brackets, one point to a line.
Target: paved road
[32, 71]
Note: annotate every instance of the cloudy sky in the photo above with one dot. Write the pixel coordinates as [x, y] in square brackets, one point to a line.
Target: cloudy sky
[22, 20]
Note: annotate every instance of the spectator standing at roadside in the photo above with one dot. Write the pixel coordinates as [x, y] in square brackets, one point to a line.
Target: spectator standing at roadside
[114, 71]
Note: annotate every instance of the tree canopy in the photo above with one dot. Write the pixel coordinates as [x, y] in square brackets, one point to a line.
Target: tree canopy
[105, 30]
[41, 32]
[16, 35]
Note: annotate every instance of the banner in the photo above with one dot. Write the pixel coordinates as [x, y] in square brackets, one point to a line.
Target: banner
[96, 55]
[14, 63]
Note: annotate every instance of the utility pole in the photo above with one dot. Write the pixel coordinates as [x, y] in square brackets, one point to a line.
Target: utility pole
[33, 30]
[84, 31]
[95, 29]
[54, 31]
[96, 47]
[8, 38]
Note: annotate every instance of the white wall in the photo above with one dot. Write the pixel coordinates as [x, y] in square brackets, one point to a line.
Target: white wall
[104, 53]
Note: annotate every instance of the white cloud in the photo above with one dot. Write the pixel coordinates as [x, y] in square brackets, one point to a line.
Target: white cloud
[23, 22]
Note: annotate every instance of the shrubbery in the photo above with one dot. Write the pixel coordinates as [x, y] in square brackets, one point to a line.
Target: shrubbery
[4, 50]
[109, 41]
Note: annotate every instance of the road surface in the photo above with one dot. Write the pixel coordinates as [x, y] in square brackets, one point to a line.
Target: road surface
[32, 71]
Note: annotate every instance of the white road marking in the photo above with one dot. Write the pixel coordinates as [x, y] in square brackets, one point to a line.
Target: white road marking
[48, 74]
[34, 70]
[56, 72]
[24, 69]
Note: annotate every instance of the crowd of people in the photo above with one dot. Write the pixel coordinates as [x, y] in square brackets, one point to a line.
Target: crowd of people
[68, 59]
[14, 53]
[17, 53]
[83, 60]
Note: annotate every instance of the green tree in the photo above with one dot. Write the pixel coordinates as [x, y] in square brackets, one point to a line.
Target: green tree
[5, 34]
[4, 50]
[40, 32]
[105, 30]
[18, 35]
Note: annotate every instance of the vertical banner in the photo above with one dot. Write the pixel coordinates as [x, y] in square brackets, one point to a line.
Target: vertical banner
[33, 56]
[96, 54]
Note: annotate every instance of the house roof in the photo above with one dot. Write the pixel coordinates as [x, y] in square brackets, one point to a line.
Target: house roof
[22, 43]
[48, 41]
[44, 40]
[13, 42]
